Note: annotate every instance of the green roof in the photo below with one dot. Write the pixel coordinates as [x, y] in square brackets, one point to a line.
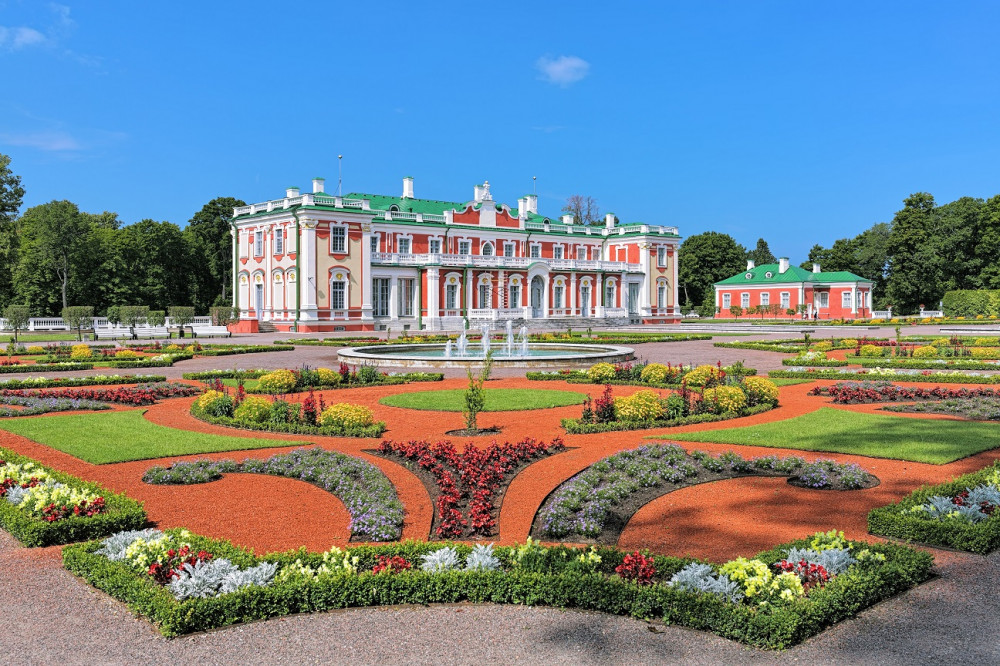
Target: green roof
[759, 275]
[424, 206]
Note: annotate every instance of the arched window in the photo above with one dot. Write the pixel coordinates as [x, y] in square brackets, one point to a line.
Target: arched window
[661, 293]
[487, 250]
[339, 295]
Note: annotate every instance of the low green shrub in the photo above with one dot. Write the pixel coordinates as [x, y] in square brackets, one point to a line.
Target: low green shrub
[267, 425]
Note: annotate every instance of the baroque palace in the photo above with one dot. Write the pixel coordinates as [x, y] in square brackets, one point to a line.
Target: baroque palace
[320, 262]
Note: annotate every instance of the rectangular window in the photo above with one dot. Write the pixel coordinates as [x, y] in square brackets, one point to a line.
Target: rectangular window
[557, 251]
[375, 241]
[451, 296]
[508, 249]
[405, 291]
[557, 297]
[279, 241]
[765, 298]
[258, 243]
[338, 240]
[536, 251]
[786, 300]
[403, 245]
[845, 300]
[609, 295]
[824, 299]
[465, 247]
[515, 297]
[727, 301]
[484, 296]
[380, 303]
[745, 300]
[337, 294]
[434, 246]
[661, 295]
[661, 257]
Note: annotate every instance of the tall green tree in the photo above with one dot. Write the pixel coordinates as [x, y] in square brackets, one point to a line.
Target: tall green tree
[209, 242]
[51, 242]
[761, 254]
[916, 262]
[704, 259]
[988, 245]
[11, 197]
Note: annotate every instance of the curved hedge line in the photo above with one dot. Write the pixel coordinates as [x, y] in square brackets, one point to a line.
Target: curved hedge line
[895, 520]
[66, 382]
[374, 430]
[832, 374]
[551, 581]
[121, 513]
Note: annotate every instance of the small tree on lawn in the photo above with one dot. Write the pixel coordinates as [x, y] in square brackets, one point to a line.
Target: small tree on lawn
[475, 395]
[17, 317]
[77, 317]
[133, 314]
[223, 315]
[736, 311]
[181, 316]
[156, 318]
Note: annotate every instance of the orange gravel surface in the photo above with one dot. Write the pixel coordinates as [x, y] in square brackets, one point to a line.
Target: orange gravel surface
[716, 520]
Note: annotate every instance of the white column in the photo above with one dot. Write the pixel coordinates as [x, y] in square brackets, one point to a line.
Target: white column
[802, 295]
[307, 277]
[467, 293]
[647, 284]
[366, 272]
[433, 298]
[854, 299]
[572, 295]
[234, 263]
[394, 298]
[674, 287]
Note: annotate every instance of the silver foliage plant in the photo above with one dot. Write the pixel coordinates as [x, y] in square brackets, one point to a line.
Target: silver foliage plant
[482, 559]
[697, 577]
[15, 494]
[210, 578]
[115, 545]
[835, 560]
[443, 559]
[939, 507]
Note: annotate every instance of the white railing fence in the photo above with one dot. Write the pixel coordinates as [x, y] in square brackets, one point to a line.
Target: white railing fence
[59, 324]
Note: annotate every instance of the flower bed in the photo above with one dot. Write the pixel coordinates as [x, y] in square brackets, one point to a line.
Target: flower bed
[42, 507]
[601, 579]
[655, 375]
[923, 364]
[975, 408]
[597, 503]
[306, 378]
[957, 514]
[33, 406]
[304, 418]
[855, 393]
[63, 382]
[370, 498]
[465, 486]
[956, 377]
[61, 366]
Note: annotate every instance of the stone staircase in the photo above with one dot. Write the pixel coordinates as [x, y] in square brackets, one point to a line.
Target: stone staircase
[266, 327]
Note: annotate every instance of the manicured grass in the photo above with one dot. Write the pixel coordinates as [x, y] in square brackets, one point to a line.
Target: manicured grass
[42, 337]
[778, 381]
[248, 384]
[124, 436]
[839, 431]
[497, 400]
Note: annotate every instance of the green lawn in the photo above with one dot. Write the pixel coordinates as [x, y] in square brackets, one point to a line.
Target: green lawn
[248, 384]
[779, 381]
[123, 436]
[64, 336]
[839, 431]
[497, 400]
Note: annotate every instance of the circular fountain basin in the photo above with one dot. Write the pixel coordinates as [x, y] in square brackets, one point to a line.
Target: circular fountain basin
[540, 355]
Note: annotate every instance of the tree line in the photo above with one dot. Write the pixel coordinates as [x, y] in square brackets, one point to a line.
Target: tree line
[925, 251]
[54, 256]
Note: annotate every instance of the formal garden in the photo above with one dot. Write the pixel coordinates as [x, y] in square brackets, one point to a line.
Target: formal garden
[230, 495]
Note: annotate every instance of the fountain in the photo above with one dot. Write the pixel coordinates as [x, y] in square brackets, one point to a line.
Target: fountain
[447, 349]
[510, 337]
[524, 340]
[485, 339]
[463, 342]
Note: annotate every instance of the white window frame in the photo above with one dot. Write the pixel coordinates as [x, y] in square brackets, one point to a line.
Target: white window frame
[258, 243]
[376, 240]
[380, 298]
[661, 257]
[451, 296]
[508, 249]
[786, 300]
[661, 295]
[765, 298]
[487, 249]
[535, 251]
[558, 294]
[483, 295]
[824, 299]
[514, 296]
[558, 251]
[431, 245]
[404, 245]
[342, 286]
[338, 239]
[279, 240]
[845, 300]
[745, 300]
[727, 301]
[406, 291]
[464, 247]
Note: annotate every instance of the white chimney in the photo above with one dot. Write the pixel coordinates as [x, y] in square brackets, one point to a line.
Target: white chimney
[567, 219]
[408, 187]
[477, 193]
[749, 264]
[782, 264]
[609, 221]
[522, 208]
[318, 185]
[291, 192]
[532, 203]
[816, 268]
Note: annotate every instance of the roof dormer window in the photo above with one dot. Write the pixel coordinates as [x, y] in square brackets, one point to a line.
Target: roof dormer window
[749, 276]
[769, 274]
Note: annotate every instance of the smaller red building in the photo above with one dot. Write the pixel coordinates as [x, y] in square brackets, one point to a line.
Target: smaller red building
[789, 291]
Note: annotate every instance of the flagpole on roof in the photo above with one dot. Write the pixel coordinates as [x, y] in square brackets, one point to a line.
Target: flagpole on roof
[340, 175]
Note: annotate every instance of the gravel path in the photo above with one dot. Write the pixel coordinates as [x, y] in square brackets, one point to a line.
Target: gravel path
[49, 616]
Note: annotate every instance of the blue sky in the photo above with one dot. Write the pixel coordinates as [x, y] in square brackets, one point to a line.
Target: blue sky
[801, 122]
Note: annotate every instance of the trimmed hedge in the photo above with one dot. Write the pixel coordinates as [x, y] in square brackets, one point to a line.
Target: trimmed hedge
[762, 346]
[895, 520]
[225, 374]
[574, 427]
[924, 364]
[815, 363]
[243, 349]
[389, 380]
[551, 581]
[830, 374]
[374, 430]
[121, 513]
[971, 302]
[580, 377]
[67, 382]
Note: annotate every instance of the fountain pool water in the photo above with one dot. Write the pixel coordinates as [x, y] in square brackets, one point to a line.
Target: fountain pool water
[524, 355]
